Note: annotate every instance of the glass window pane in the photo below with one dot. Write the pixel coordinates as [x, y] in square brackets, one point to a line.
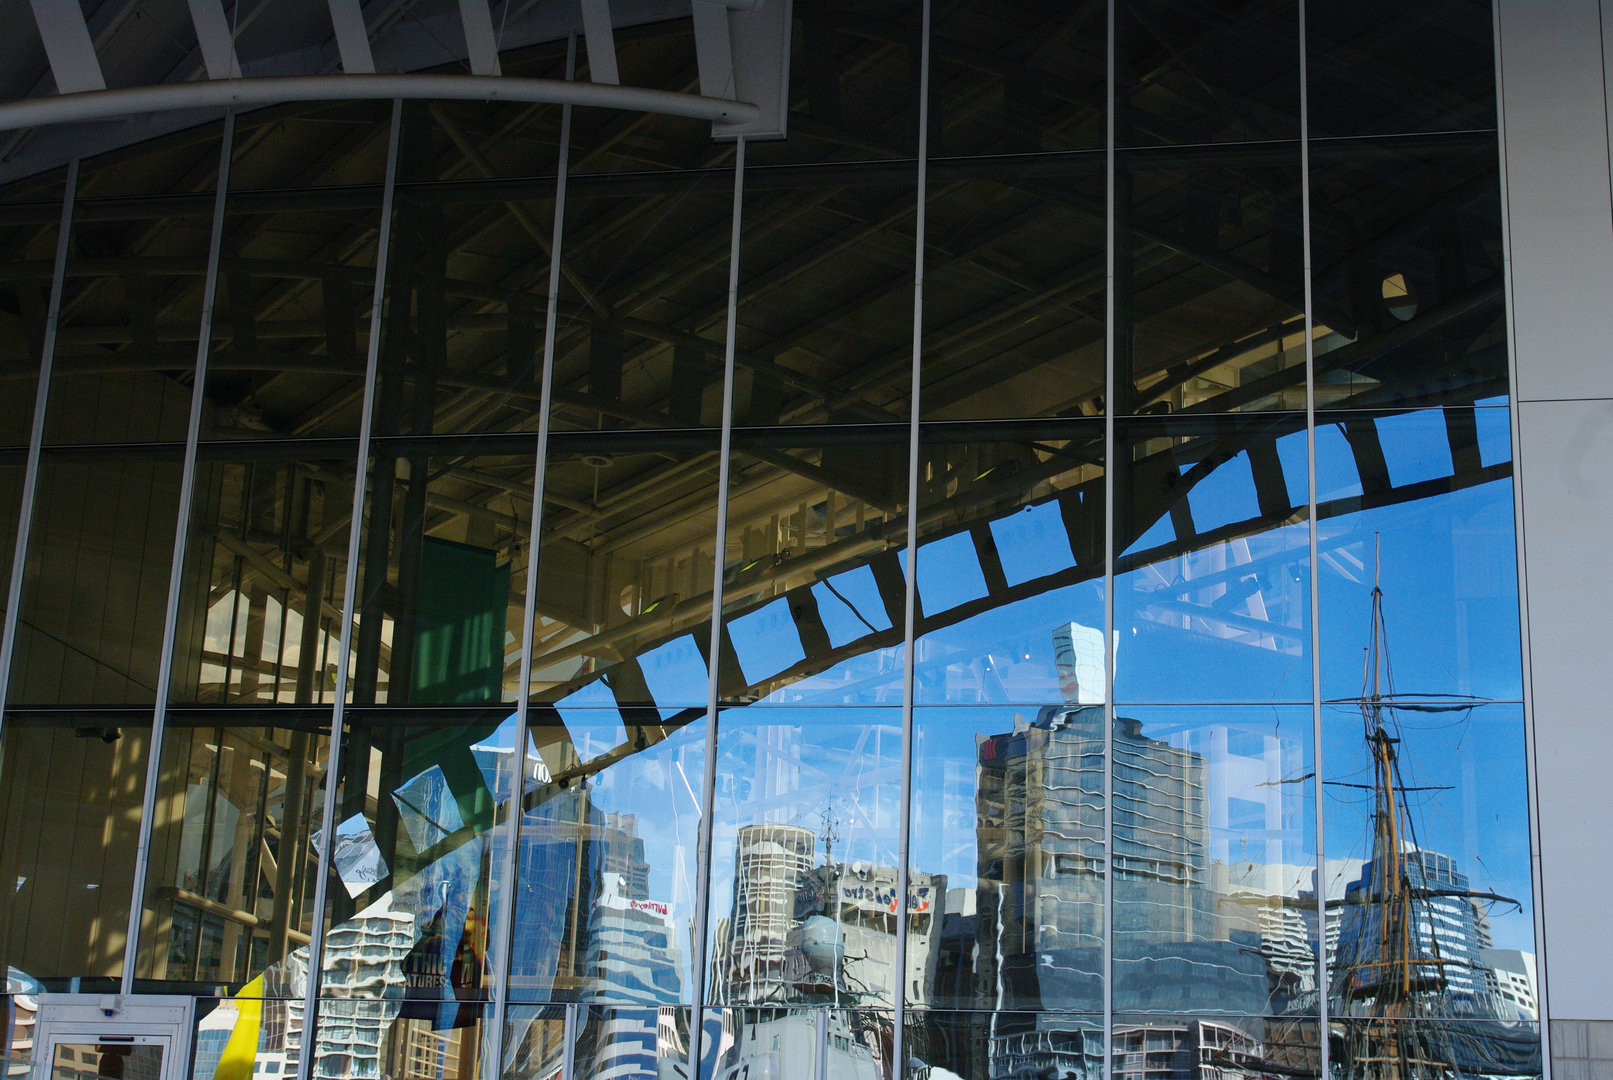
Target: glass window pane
[71, 785]
[1496, 1048]
[825, 331]
[1007, 828]
[1215, 861]
[1407, 248]
[369, 1039]
[1194, 71]
[1422, 515]
[988, 1045]
[609, 833]
[534, 1042]
[805, 857]
[319, 144]
[1385, 67]
[632, 1043]
[657, 56]
[130, 317]
[265, 567]
[416, 864]
[643, 300]
[1208, 280]
[1014, 287]
[232, 869]
[271, 1026]
[30, 223]
[1010, 564]
[782, 1043]
[625, 570]
[1017, 77]
[89, 630]
[1446, 929]
[443, 571]
[813, 593]
[854, 84]
[292, 317]
[1143, 1046]
[467, 273]
[1212, 598]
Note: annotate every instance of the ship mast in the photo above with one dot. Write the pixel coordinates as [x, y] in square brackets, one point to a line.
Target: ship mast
[1392, 1041]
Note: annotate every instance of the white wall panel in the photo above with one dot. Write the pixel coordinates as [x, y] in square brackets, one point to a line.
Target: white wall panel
[1555, 112]
[1568, 519]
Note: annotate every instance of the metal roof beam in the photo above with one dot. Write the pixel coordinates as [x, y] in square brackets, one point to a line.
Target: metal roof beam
[601, 42]
[216, 41]
[242, 93]
[68, 47]
[352, 37]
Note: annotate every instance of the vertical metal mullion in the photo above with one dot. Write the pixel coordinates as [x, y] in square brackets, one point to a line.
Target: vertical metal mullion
[504, 919]
[1314, 599]
[36, 438]
[316, 940]
[1536, 879]
[910, 581]
[572, 1013]
[1109, 458]
[176, 570]
[708, 787]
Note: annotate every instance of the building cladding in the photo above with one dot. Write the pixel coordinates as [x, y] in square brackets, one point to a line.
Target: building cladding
[1061, 553]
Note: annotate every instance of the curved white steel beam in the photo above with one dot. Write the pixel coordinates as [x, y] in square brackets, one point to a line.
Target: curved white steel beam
[275, 90]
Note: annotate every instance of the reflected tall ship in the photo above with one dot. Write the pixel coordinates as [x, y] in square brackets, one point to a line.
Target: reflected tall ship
[1416, 992]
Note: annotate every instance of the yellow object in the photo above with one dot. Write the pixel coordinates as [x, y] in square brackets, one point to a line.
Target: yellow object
[241, 1052]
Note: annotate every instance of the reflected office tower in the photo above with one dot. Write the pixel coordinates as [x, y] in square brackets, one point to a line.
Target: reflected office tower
[824, 935]
[749, 958]
[1039, 838]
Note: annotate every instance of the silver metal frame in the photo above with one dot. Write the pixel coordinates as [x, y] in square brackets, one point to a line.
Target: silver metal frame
[281, 89]
[36, 437]
[176, 570]
[333, 758]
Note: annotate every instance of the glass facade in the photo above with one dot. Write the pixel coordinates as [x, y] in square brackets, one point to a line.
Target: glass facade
[1016, 579]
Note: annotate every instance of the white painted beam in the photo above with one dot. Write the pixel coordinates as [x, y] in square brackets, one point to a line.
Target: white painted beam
[216, 41]
[596, 29]
[352, 37]
[67, 45]
[713, 47]
[480, 41]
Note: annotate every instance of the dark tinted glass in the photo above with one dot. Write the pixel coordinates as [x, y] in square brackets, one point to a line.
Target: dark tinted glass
[1014, 302]
[812, 591]
[71, 785]
[232, 864]
[1406, 237]
[322, 144]
[442, 589]
[265, 568]
[1007, 831]
[854, 83]
[1212, 598]
[1386, 67]
[643, 300]
[1010, 564]
[89, 630]
[1215, 861]
[1197, 71]
[1419, 505]
[291, 322]
[1010, 78]
[826, 294]
[30, 221]
[1208, 280]
[625, 568]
